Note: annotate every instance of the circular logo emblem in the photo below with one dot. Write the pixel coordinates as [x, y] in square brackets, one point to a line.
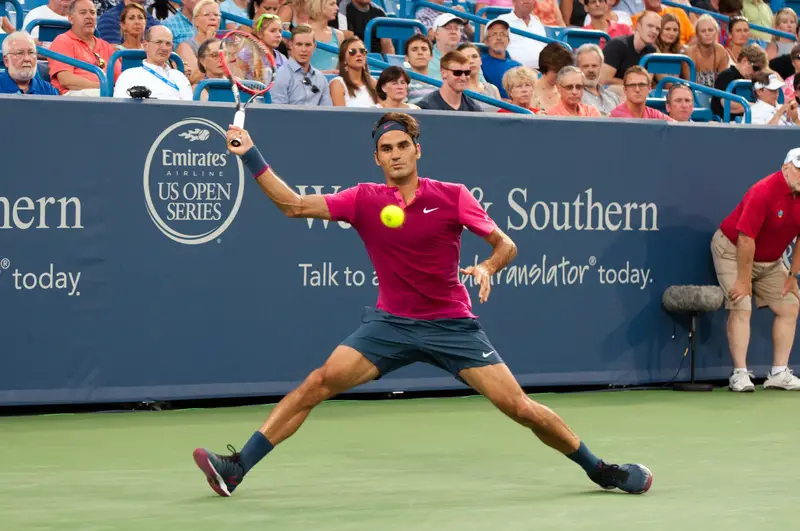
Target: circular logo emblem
[193, 185]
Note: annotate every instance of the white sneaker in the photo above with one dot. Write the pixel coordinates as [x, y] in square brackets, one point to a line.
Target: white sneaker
[740, 382]
[783, 380]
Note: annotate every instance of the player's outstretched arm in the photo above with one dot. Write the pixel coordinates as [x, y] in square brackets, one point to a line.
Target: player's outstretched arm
[288, 201]
[504, 250]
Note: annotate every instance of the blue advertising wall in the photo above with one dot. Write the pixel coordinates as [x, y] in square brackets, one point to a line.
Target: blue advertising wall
[139, 261]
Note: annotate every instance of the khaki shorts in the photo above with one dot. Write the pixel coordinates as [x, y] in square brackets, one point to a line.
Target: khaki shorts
[768, 277]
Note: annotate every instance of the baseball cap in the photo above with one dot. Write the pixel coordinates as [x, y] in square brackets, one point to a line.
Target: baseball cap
[497, 21]
[444, 19]
[794, 157]
[774, 83]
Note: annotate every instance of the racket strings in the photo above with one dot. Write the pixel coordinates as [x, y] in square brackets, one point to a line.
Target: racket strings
[248, 63]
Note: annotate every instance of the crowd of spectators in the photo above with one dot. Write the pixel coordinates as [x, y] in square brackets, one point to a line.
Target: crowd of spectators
[595, 80]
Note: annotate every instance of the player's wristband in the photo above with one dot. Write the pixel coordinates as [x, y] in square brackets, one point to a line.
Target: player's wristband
[255, 162]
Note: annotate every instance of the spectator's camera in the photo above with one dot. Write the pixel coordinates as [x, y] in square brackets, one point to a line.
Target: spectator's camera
[139, 93]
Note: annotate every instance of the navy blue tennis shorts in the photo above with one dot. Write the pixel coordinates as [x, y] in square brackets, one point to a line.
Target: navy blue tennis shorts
[391, 342]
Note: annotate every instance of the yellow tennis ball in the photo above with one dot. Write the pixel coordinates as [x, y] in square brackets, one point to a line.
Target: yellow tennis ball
[392, 216]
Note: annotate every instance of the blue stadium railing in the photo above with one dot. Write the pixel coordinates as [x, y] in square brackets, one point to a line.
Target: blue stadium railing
[18, 10]
[726, 97]
[724, 18]
[94, 69]
[383, 64]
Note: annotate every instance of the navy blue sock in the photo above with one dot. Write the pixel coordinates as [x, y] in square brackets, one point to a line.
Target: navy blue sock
[254, 451]
[585, 458]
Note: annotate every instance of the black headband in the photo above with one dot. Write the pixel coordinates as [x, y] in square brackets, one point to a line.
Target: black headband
[390, 125]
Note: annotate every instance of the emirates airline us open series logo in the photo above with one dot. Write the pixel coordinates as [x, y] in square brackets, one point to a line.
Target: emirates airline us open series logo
[193, 186]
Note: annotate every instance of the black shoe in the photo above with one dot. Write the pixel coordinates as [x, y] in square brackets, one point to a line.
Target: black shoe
[633, 479]
[223, 472]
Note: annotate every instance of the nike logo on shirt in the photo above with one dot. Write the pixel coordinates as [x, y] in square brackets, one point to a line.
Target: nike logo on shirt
[429, 210]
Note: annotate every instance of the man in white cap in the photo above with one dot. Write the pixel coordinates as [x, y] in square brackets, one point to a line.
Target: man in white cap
[447, 36]
[748, 252]
[765, 111]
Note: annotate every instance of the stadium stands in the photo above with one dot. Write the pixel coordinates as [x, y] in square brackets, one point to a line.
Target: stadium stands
[400, 23]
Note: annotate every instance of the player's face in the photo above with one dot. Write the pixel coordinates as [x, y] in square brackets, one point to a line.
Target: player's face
[397, 154]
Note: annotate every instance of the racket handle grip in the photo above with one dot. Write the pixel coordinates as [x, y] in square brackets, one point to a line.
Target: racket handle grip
[238, 119]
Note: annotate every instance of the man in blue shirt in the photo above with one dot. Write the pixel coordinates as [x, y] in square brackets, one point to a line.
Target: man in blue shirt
[108, 24]
[19, 56]
[497, 62]
[297, 82]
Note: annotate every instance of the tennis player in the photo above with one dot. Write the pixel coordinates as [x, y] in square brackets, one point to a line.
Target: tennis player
[423, 312]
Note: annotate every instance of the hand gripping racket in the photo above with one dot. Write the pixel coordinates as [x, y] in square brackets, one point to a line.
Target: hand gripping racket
[249, 66]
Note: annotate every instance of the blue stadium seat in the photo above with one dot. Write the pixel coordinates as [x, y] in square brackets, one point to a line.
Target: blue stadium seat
[668, 64]
[576, 37]
[220, 90]
[743, 88]
[703, 114]
[397, 29]
[132, 59]
[394, 59]
[375, 55]
[657, 103]
[553, 32]
[492, 12]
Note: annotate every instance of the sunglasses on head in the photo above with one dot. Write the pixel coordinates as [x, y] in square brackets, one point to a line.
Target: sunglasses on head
[459, 73]
[353, 51]
[266, 16]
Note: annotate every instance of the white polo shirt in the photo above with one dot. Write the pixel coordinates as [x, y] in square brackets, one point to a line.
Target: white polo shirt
[165, 83]
[522, 49]
[762, 112]
[41, 13]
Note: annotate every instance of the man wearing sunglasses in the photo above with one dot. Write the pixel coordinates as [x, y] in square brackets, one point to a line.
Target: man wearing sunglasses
[81, 44]
[455, 79]
[751, 59]
[570, 85]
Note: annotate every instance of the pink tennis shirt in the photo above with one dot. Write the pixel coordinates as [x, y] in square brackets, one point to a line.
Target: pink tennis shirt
[417, 263]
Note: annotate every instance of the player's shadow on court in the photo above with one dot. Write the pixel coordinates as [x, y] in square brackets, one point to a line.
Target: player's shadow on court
[678, 253]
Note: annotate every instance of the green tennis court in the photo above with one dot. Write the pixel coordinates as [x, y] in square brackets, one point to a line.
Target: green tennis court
[720, 461]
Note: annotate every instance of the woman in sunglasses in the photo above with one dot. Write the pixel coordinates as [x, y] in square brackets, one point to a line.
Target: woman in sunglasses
[392, 89]
[208, 63]
[268, 29]
[354, 87]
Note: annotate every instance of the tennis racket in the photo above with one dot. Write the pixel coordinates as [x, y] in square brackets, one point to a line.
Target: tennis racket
[249, 66]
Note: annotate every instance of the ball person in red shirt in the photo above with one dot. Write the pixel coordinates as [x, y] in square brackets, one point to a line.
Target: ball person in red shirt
[423, 312]
[747, 250]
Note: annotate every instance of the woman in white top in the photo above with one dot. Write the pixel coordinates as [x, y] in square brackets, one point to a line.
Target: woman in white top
[132, 22]
[392, 89]
[354, 87]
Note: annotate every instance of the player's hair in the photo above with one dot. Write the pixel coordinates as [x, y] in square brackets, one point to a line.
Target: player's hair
[635, 69]
[453, 57]
[419, 37]
[302, 29]
[407, 121]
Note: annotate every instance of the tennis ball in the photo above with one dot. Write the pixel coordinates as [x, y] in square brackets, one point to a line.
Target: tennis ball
[392, 216]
